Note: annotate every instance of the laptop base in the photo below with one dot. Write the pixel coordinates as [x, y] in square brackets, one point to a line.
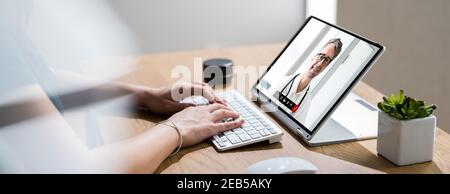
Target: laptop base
[354, 119]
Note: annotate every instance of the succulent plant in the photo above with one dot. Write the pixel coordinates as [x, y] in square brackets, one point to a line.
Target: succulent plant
[405, 108]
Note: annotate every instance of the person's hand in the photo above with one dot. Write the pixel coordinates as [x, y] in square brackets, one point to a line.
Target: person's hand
[201, 122]
[166, 100]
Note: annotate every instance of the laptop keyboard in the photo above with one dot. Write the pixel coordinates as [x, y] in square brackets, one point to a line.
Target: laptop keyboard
[255, 129]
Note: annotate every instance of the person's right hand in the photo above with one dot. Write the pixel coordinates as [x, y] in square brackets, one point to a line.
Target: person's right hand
[201, 122]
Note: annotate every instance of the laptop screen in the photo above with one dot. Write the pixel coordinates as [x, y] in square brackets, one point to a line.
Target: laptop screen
[315, 70]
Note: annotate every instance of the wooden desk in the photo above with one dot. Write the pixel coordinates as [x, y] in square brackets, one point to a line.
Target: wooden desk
[355, 157]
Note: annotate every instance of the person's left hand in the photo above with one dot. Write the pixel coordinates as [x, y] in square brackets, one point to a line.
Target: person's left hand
[162, 100]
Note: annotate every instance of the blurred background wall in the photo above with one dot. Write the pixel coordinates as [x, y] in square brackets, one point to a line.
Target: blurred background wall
[162, 25]
[417, 36]
[169, 25]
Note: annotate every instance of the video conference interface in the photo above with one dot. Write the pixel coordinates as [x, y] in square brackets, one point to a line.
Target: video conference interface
[315, 70]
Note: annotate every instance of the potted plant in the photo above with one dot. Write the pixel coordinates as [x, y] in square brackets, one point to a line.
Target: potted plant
[406, 130]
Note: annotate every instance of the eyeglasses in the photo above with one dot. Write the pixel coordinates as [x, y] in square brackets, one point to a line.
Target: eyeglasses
[326, 59]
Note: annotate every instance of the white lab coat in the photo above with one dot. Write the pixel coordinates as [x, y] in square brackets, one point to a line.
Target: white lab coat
[301, 113]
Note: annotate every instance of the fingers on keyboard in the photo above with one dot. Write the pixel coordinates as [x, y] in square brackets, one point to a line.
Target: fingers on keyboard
[228, 125]
[252, 129]
[213, 107]
[222, 114]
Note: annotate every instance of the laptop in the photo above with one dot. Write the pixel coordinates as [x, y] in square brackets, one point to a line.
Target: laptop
[307, 88]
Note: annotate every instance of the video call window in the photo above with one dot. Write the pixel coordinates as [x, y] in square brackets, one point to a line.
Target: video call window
[314, 71]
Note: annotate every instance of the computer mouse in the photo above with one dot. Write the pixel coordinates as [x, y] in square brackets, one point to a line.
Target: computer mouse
[282, 165]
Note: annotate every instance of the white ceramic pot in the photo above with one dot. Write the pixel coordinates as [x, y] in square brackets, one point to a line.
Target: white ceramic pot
[406, 142]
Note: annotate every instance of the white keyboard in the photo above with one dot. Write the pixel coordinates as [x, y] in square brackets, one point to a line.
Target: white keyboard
[257, 126]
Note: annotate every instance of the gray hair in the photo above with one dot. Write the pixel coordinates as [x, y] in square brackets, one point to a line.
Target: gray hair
[337, 46]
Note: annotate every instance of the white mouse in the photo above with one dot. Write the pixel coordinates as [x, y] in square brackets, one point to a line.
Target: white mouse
[282, 165]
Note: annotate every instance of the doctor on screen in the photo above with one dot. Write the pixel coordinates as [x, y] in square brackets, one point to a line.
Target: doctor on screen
[294, 92]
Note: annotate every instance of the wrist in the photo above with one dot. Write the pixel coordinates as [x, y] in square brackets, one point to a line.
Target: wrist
[179, 133]
[145, 95]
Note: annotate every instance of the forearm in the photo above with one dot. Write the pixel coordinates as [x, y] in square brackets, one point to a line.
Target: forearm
[142, 153]
[90, 90]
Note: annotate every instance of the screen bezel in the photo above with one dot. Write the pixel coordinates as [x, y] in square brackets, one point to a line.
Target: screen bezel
[310, 133]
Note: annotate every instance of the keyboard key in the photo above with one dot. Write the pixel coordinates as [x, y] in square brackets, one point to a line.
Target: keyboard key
[252, 132]
[221, 144]
[244, 112]
[232, 102]
[238, 108]
[228, 132]
[253, 122]
[273, 131]
[234, 139]
[247, 127]
[246, 124]
[255, 135]
[257, 125]
[259, 128]
[246, 115]
[264, 132]
[238, 131]
[223, 139]
[252, 118]
[234, 107]
[244, 137]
